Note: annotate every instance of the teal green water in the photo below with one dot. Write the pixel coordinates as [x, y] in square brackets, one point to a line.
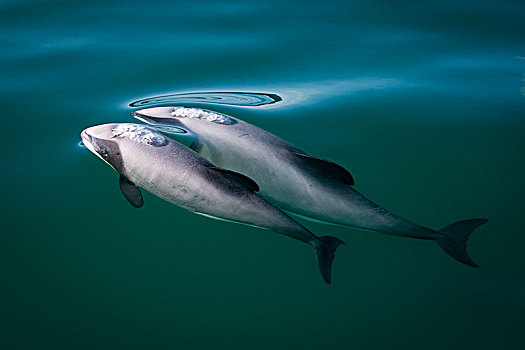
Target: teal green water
[422, 101]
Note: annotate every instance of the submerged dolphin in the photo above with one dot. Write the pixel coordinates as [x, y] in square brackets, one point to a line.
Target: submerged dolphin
[146, 158]
[295, 181]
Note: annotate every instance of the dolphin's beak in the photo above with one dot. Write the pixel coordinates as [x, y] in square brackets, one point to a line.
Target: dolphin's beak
[137, 115]
[154, 112]
[88, 142]
[84, 137]
[156, 116]
[144, 118]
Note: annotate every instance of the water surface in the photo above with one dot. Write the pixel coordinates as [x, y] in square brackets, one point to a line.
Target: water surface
[422, 101]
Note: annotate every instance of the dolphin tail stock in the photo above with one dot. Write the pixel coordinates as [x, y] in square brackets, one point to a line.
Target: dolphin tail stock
[455, 237]
[325, 248]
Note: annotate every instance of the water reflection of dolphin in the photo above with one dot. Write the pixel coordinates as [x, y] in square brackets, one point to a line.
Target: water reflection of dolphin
[295, 181]
[144, 157]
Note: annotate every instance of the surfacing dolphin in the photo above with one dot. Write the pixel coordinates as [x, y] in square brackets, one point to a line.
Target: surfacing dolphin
[146, 158]
[295, 181]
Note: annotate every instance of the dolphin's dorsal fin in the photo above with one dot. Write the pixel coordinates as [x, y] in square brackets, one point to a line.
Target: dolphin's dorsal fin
[326, 168]
[238, 177]
[131, 192]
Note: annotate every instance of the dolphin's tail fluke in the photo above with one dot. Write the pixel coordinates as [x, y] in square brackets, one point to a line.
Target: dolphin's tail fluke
[455, 237]
[325, 248]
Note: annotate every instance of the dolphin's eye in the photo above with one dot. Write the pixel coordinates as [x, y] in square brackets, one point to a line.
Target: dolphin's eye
[197, 113]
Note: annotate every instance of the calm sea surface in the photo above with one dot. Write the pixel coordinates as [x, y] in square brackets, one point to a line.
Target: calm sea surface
[423, 101]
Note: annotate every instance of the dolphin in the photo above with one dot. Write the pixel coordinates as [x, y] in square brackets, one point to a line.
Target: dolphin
[296, 181]
[146, 158]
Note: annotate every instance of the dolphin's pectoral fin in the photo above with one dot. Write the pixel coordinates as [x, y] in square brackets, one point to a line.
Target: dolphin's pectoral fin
[246, 182]
[131, 192]
[326, 168]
